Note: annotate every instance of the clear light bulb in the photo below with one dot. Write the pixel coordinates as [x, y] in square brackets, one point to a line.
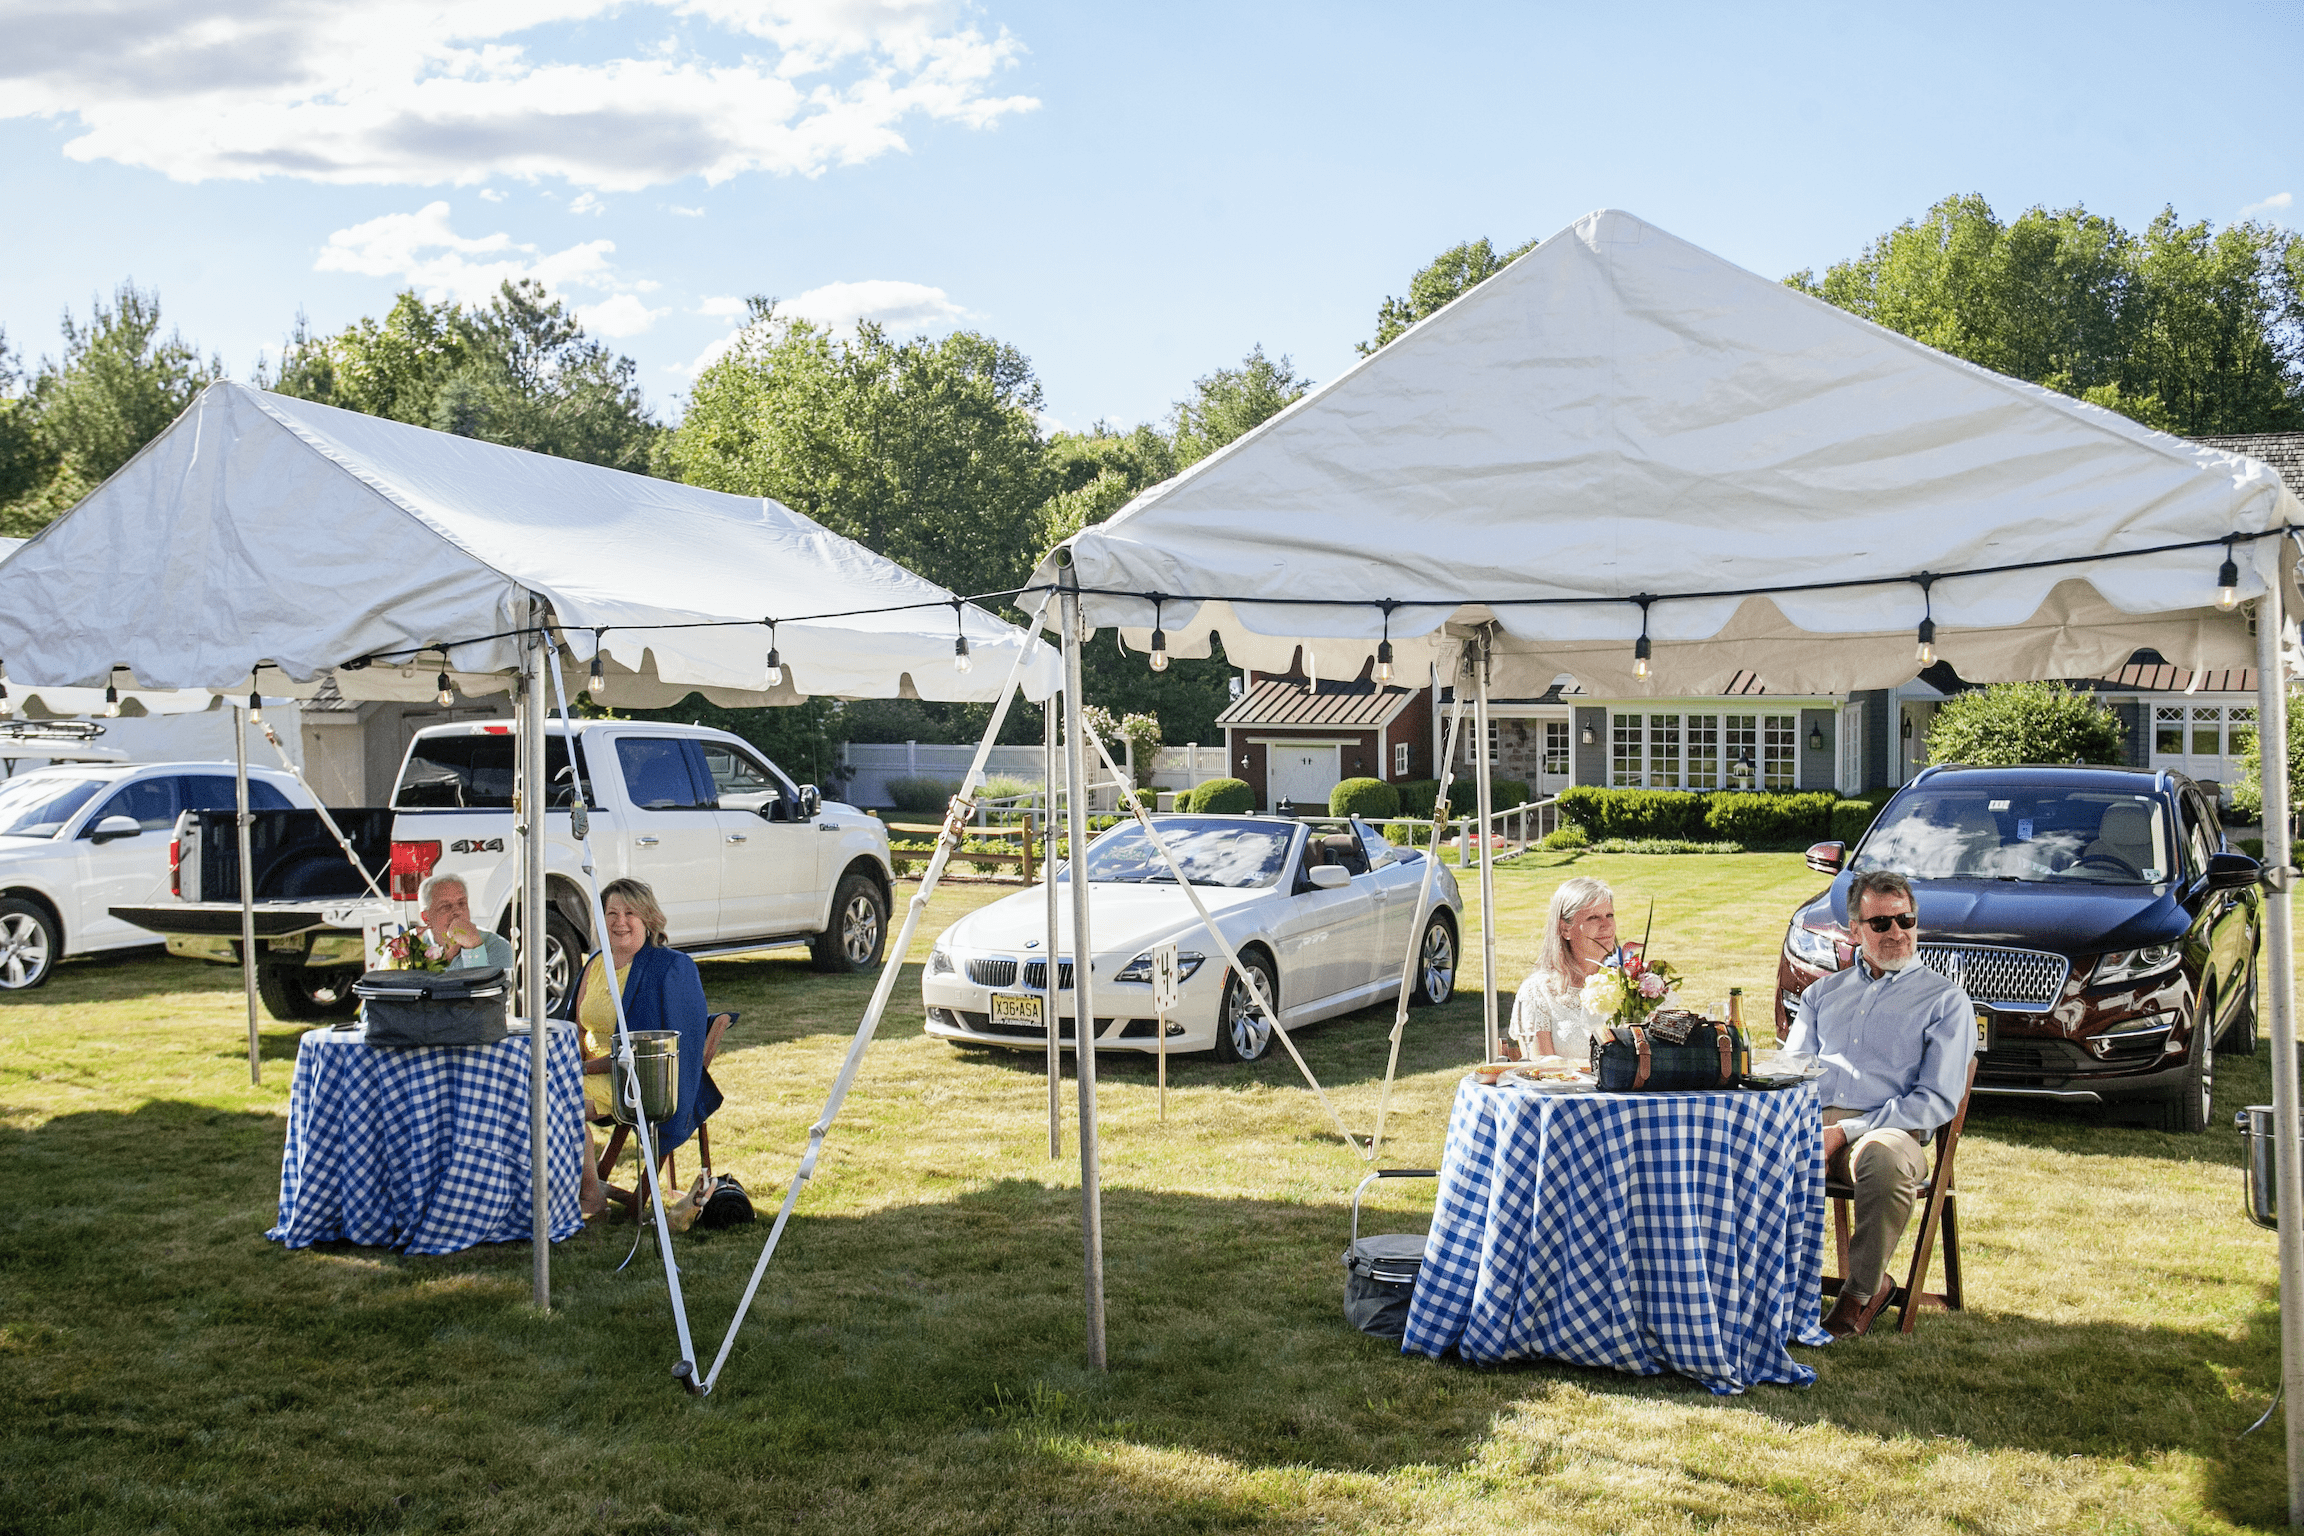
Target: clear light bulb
[447, 694]
[1384, 663]
[1159, 661]
[597, 683]
[1927, 654]
[960, 661]
[255, 708]
[1640, 668]
[775, 672]
[111, 709]
[2228, 585]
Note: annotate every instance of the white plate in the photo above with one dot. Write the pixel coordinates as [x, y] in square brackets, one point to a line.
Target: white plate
[1585, 1083]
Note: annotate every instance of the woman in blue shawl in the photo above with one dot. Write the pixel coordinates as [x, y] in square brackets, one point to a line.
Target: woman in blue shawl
[662, 990]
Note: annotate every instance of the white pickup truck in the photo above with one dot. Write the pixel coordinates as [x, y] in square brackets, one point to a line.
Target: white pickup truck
[740, 857]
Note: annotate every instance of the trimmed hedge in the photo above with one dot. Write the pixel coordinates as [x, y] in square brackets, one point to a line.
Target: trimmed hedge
[1417, 795]
[1364, 797]
[1778, 819]
[1224, 797]
[1568, 836]
[1851, 819]
[1636, 813]
[1759, 820]
[922, 794]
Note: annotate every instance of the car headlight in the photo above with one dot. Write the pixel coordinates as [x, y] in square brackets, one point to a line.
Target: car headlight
[2136, 964]
[1140, 968]
[940, 960]
[1815, 950]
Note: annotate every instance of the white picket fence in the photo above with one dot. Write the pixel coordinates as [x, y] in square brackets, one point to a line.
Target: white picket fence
[866, 767]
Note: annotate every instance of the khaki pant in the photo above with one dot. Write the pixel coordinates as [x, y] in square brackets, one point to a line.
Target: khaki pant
[1888, 1169]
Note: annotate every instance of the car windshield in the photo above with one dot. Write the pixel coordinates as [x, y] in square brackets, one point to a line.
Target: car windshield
[1971, 831]
[39, 807]
[1214, 850]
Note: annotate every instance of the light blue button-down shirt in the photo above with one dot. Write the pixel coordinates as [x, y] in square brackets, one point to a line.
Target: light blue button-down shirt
[1895, 1046]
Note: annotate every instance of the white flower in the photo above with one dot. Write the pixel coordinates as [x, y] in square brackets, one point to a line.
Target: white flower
[1602, 993]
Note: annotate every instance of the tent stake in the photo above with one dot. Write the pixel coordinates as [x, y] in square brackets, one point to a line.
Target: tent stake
[2278, 990]
[1083, 983]
[247, 892]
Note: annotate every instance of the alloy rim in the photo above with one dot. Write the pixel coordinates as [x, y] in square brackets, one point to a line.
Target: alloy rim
[23, 951]
[1251, 1031]
[556, 968]
[860, 930]
[1439, 964]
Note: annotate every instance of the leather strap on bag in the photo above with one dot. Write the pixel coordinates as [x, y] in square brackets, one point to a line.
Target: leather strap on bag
[1640, 1044]
[1726, 1040]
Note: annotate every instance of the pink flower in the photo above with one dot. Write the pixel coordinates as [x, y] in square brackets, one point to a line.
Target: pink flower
[1651, 986]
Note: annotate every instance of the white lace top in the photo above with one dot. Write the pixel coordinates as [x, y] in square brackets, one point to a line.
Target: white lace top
[1546, 1003]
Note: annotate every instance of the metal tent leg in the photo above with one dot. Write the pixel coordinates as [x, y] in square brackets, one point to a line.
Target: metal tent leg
[2279, 992]
[1083, 982]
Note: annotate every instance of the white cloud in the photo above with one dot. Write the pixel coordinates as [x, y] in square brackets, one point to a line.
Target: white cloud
[686, 213]
[899, 306]
[726, 306]
[587, 203]
[421, 250]
[2277, 203]
[620, 316]
[428, 92]
[493, 194]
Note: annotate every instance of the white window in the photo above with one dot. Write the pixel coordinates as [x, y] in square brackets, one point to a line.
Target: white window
[1851, 749]
[1495, 735]
[1556, 748]
[1627, 757]
[1399, 759]
[1664, 752]
[1780, 741]
[1703, 752]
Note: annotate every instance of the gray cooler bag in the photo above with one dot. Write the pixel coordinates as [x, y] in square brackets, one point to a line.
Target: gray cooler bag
[1380, 1269]
[469, 1006]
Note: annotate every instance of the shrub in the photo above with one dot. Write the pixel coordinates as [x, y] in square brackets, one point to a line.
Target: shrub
[1665, 845]
[1758, 821]
[1417, 795]
[1224, 797]
[1851, 819]
[1503, 794]
[1633, 812]
[2011, 723]
[1140, 732]
[1568, 835]
[1410, 836]
[1364, 797]
[2251, 846]
[922, 794]
[2244, 796]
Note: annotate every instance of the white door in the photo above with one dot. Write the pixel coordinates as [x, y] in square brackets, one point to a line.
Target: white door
[672, 840]
[769, 881]
[1301, 775]
[1552, 767]
[2203, 740]
[125, 871]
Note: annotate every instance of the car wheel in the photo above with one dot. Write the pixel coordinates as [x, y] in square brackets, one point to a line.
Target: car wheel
[859, 928]
[1243, 1033]
[28, 945]
[1435, 964]
[2187, 1111]
[2239, 1037]
[292, 993]
[563, 952]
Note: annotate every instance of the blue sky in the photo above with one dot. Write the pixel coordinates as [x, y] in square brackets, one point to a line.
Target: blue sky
[1132, 196]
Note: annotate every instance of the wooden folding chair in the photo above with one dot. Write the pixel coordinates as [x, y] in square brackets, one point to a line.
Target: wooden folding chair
[1940, 1208]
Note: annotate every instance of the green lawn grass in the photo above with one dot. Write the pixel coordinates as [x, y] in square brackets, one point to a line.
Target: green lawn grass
[914, 1363]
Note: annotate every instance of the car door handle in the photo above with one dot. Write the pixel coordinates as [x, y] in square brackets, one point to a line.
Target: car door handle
[645, 842]
[736, 837]
[826, 826]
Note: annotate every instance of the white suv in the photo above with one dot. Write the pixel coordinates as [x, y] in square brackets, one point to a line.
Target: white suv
[78, 841]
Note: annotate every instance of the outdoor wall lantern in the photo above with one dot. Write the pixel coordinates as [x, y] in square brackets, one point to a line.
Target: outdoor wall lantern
[1907, 727]
[1587, 738]
[1816, 738]
[1243, 759]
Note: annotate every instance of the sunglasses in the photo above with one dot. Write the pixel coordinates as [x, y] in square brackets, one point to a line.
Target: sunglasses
[1880, 924]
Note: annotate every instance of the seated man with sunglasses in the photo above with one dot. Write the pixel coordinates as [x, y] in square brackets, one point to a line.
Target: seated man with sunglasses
[1895, 1039]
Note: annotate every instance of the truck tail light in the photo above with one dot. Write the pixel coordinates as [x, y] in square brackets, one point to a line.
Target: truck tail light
[176, 867]
[411, 862]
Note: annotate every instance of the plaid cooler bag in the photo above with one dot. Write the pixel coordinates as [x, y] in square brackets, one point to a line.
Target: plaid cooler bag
[1671, 1050]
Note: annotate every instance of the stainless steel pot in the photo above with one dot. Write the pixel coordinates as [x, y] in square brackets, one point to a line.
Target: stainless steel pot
[2255, 1127]
[656, 1065]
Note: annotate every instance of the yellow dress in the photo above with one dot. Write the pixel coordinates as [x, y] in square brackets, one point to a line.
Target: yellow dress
[596, 1017]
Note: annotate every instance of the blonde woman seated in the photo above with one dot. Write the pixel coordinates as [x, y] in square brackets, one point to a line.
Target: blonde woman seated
[1548, 1015]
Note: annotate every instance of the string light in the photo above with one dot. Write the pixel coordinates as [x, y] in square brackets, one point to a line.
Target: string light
[960, 661]
[775, 672]
[597, 684]
[1927, 636]
[255, 707]
[6, 708]
[111, 710]
[1640, 651]
[2228, 581]
[1159, 640]
[1384, 649]
[447, 691]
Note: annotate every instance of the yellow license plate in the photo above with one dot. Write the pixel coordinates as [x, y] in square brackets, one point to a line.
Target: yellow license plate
[1009, 1008]
[1983, 1032]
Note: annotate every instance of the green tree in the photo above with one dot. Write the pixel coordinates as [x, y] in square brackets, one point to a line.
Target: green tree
[802, 739]
[117, 386]
[2247, 793]
[24, 462]
[1232, 402]
[2182, 328]
[1448, 277]
[2011, 723]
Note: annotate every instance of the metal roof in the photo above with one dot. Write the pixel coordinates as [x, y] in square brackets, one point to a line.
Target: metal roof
[1290, 701]
[2167, 679]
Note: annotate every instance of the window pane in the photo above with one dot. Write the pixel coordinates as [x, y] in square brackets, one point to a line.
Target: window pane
[2206, 741]
[1703, 762]
[656, 773]
[741, 783]
[150, 803]
[1556, 747]
[1663, 751]
[1782, 733]
[2169, 739]
[1740, 746]
[1625, 768]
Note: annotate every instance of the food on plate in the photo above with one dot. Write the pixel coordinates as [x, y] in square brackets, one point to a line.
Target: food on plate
[1489, 1071]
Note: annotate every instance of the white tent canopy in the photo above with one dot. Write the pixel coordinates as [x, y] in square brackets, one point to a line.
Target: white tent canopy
[264, 529]
[1620, 414]
[31, 702]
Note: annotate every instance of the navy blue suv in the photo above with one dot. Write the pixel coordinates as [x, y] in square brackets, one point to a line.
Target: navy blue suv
[2104, 931]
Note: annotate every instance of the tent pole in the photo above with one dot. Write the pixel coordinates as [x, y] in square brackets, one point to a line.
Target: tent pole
[1083, 983]
[2279, 991]
[247, 890]
[1049, 713]
[1482, 778]
[535, 797]
[1446, 775]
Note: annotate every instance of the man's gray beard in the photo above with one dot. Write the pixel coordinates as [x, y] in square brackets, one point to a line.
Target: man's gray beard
[1891, 967]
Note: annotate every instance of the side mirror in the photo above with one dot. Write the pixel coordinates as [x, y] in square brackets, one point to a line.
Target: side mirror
[2232, 871]
[112, 827]
[1328, 877]
[811, 802]
[1827, 858]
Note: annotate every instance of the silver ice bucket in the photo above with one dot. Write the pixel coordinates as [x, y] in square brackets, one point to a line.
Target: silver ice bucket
[656, 1066]
[2255, 1127]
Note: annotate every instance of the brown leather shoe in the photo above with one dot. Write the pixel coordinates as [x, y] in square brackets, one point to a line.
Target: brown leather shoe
[1850, 1318]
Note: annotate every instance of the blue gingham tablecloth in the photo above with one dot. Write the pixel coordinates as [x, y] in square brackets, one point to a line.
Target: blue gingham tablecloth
[1646, 1232]
[425, 1148]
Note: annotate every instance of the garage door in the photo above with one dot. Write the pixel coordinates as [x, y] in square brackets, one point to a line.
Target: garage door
[1303, 775]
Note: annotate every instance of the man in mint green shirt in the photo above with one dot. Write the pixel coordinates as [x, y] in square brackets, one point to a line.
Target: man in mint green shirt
[444, 907]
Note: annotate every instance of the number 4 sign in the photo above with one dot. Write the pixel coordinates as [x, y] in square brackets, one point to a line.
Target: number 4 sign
[1167, 995]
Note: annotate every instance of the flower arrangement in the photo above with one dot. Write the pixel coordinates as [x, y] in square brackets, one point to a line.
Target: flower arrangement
[408, 951]
[1628, 986]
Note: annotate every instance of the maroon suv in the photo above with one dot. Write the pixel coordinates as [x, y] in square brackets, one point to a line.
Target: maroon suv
[2094, 916]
